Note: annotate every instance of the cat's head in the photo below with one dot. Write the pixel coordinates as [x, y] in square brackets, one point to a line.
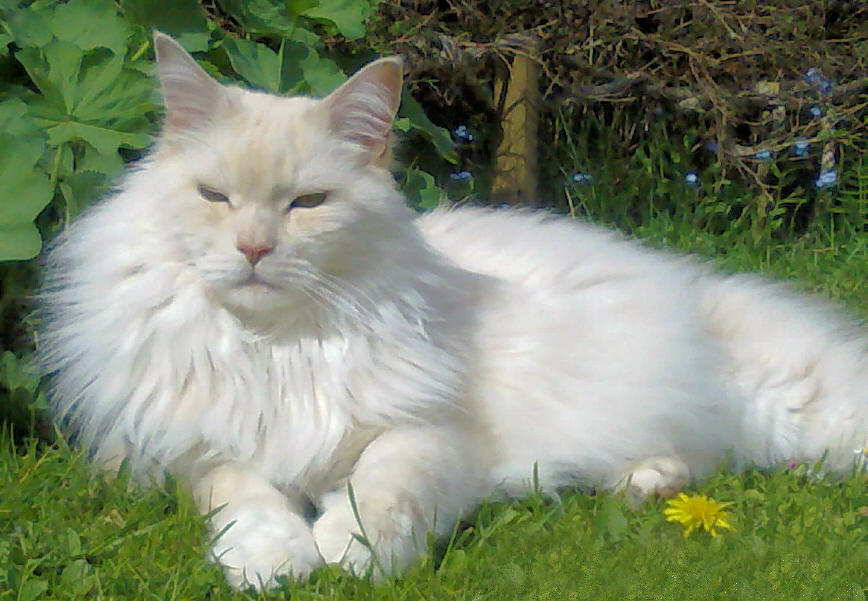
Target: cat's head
[274, 201]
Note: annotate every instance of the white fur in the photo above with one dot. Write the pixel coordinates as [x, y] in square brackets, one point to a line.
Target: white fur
[427, 361]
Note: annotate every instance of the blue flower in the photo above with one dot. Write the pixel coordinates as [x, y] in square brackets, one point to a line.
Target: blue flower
[827, 178]
[815, 79]
[816, 112]
[801, 148]
[691, 179]
[461, 176]
[582, 178]
[463, 133]
[763, 155]
[711, 146]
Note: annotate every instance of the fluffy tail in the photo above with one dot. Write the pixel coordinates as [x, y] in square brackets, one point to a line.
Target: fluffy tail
[803, 368]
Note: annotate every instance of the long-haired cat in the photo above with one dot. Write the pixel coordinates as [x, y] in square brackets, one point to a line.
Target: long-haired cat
[257, 312]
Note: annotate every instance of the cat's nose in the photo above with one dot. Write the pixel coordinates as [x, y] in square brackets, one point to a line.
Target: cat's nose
[254, 252]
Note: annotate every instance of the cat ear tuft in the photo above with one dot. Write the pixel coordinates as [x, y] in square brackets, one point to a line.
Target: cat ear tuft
[189, 93]
[363, 108]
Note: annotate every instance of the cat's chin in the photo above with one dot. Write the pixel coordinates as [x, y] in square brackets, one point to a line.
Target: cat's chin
[260, 303]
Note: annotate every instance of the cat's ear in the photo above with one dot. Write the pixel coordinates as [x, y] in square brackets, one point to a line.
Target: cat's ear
[363, 108]
[191, 96]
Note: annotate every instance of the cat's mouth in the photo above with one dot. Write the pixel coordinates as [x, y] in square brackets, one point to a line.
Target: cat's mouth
[254, 282]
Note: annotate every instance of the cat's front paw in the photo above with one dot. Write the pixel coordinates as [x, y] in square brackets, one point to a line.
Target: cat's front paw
[394, 534]
[660, 476]
[263, 544]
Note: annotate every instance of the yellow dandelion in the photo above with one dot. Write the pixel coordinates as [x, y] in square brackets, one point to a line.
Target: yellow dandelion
[697, 511]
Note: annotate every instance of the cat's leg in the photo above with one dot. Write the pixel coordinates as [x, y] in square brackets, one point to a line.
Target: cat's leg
[262, 534]
[407, 482]
[661, 476]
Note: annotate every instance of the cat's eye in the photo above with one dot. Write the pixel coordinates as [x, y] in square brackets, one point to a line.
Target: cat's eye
[308, 201]
[212, 195]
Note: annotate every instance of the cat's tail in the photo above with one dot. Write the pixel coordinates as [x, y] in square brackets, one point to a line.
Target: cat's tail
[803, 369]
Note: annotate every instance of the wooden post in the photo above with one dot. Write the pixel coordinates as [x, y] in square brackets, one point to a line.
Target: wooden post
[515, 163]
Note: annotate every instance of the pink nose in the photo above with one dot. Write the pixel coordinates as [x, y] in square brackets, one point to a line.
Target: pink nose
[254, 252]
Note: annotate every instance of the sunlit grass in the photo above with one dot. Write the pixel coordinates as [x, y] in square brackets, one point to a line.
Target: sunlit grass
[68, 533]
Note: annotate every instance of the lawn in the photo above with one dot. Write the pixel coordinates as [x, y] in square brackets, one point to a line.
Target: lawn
[69, 533]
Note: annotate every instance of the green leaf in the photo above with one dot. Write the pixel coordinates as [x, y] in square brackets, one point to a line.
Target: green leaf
[321, 74]
[258, 64]
[19, 242]
[421, 190]
[30, 27]
[89, 97]
[15, 120]
[438, 136]
[610, 521]
[24, 192]
[174, 17]
[87, 24]
[32, 590]
[5, 40]
[348, 16]
[80, 189]
[91, 24]
[104, 139]
[266, 16]
[16, 372]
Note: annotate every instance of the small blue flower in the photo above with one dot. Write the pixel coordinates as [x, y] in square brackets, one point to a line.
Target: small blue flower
[827, 178]
[691, 179]
[801, 148]
[711, 146]
[815, 79]
[463, 133]
[461, 176]
[816, 112]
[582, 178]
[763, 155]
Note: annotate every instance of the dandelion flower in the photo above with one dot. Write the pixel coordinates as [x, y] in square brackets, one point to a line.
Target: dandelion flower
[697, 511]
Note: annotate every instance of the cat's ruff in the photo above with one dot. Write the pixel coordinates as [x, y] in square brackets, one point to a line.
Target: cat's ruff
[256, 311]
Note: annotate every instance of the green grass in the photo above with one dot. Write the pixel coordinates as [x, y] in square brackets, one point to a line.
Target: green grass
[68, 533]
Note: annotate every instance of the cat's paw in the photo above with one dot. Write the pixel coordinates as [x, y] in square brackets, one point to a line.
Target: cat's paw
[661, 476]
[263, 544]
[390, 531]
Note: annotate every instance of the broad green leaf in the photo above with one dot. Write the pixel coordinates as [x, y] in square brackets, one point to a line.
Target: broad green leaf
[174, 17]
[24, 192]
[438, 136]
[184, 20]
[258, 64]
[5, 40]
[87, 24]
[321, 74]
[16, 372]
[292, 57]
[267, 16]
[91, 24]
[104, 139]
[421, 189]
[80, 189]
[303, 70]
[88, 97]
[32, 589]
[19, 243]
[30, 27]
[15, 120]
[347, 15]
[110, 165]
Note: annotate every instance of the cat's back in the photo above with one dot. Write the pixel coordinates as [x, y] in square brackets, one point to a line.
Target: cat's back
[586, 332]
[535, 247]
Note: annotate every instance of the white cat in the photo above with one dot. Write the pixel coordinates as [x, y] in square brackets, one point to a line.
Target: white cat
[256, 311]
